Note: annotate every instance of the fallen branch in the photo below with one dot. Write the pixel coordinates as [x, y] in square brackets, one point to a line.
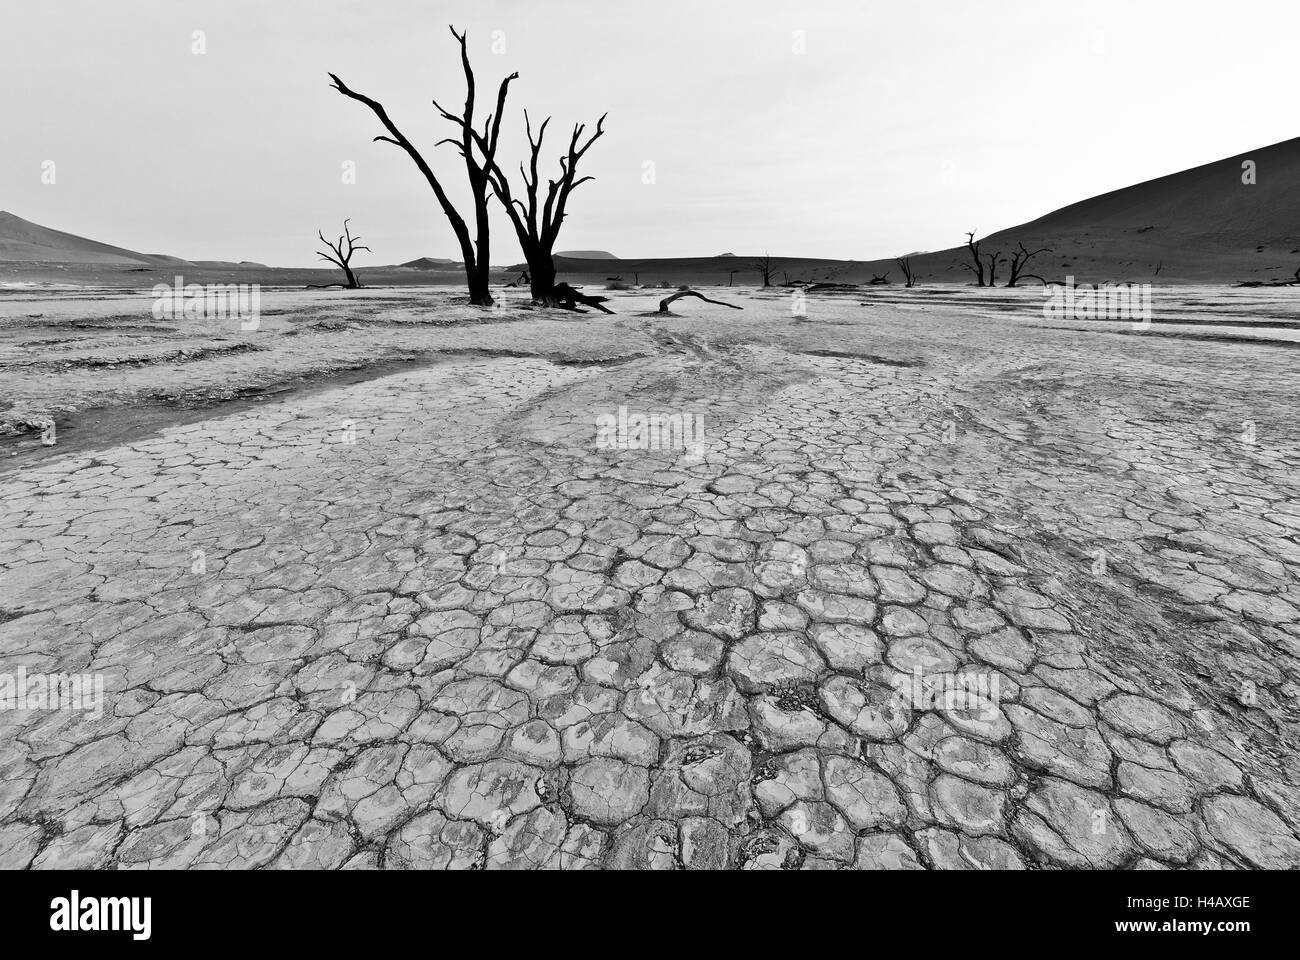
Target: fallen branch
[663, 304]
[568, 298]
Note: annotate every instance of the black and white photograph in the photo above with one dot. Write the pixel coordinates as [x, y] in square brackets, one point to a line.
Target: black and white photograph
[713, 436]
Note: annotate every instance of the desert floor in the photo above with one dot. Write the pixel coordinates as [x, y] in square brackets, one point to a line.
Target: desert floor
[364, 591]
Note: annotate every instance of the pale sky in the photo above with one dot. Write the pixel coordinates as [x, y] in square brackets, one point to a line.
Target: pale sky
[898, 127]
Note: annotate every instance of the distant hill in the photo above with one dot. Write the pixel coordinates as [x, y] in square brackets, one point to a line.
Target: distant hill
[1202, 225]
[431, 263]
[1206, 207]
[22, 240]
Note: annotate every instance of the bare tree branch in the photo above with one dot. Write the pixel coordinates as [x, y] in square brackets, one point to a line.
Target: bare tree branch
[341, 252]
[537, 229]
[476, 251]
[973, 246]
[994, 260]
[663, 304]
[1019, 260]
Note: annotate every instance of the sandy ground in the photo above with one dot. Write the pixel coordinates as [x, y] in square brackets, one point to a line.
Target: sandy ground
[364, 591]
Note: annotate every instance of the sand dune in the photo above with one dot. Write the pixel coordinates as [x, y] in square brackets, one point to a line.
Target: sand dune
[1208, 207]
[22, 240]
[1202, 225]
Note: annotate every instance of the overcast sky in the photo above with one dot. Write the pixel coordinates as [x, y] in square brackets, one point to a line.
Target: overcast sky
[849, 129]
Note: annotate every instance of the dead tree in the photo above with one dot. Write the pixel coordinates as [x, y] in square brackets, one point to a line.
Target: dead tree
[1019, 260]
[475, 251]
[977, 264]
[565, 296]
[877, 281]
[663, 304]
[341, 254]
[537, 223]
[731, 277]
[994, 259]
[765, 268]
[905, 263]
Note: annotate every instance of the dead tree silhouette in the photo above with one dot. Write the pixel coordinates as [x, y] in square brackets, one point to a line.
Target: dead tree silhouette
[475, 251]
[537, 227]
[341, 254]
[563, 295]
[905, 263]
[765, 268]
[663, 304]
[994, 260]
[977, 268]
[1019, 260]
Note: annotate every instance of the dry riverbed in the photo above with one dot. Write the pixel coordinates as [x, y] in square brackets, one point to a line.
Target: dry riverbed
[363, 590]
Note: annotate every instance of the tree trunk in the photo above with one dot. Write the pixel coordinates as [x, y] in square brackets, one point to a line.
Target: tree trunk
[541, 274]
[480, 271]
[353, 282]
[479, 279]
[479, 294]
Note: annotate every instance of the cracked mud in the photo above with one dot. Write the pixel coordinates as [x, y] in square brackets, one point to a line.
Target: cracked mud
[424, 621]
